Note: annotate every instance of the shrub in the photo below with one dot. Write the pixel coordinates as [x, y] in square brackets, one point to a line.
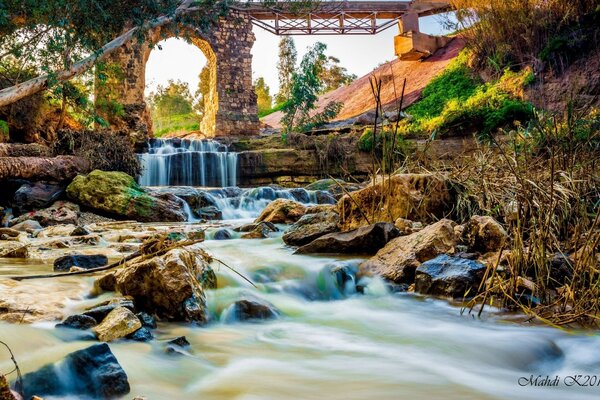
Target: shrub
[106, 151]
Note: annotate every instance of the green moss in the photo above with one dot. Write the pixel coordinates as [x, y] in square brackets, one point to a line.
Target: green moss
[3, 128]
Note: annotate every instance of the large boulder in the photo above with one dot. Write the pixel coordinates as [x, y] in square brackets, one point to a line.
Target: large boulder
[33, 196]
[170, 286]
[399, 259]
[311, 227]
[59, 213]
[483, 234]
[93, 372]
[449, 276]
[365, 240]
[418, 197]
[65, 263]
[117, 193]
[119, 323]
[282, 211]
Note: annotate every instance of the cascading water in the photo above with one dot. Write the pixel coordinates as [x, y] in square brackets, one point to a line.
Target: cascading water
[177, 162]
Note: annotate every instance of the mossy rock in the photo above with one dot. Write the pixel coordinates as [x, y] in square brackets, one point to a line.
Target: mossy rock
[118, 194]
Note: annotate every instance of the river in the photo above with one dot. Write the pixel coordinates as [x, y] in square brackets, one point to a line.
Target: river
[326, 344]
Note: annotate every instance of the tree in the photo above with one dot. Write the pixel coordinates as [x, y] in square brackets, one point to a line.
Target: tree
[334, 76]
[305, 88]
[174, 99]
[286, 66]
[263, 98]
[78, 21]
[203, 90]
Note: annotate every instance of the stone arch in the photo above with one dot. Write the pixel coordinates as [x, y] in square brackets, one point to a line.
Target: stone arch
[208, 124]
[227, 47]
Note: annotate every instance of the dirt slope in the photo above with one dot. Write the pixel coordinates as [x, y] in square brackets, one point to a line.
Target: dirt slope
[358, 98]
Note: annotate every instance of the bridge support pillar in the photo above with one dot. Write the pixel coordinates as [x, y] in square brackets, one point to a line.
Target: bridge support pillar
[411, 44]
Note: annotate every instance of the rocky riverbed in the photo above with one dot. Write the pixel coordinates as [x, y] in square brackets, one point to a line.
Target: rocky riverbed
[289, 298]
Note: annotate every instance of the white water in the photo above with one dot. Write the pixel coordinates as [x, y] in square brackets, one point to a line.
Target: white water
[188, 162]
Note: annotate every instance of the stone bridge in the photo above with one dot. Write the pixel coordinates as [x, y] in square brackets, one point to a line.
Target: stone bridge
[231, 108]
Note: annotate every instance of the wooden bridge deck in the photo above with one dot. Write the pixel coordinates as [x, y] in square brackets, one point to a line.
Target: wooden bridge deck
[335, 17]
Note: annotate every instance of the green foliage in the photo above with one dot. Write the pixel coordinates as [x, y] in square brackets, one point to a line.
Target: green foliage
[285, 67]
[334, 76]
[203, 91]
[263, 97]
[3, 128]
[277, 107]
[386, 141]
[172, 109]
[455, 100]
[306, 86]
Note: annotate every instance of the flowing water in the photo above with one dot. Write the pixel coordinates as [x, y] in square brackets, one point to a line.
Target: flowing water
[188, 162]
[328, 343]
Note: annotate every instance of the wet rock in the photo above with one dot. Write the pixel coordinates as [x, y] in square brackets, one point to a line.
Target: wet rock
[59, 213]
[117, 193]
[399, 259]
[335, 187]
[170, 286]
[449, 276]
[100, 311]
[301, 195]
[336, 281]
[248, 310]
[147, 320]
[119, 323]
[260, 232]
[84, 261]
[180, 341]
[210, 213]
[141, 335]
[324, 197]
[311, 227]
[282, 211]
[33, 196]
[179, 345]
[222, 234]
[483, 234]
[5, 392]
[365, 240]
[252, 226]
[14, 249]
[321, 208]
[80, 231]
[418, 197]
[79, 321]
[56, 231]
[92, 372]
[28, 226]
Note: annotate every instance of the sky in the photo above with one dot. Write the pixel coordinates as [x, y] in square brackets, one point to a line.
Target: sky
[359, 54]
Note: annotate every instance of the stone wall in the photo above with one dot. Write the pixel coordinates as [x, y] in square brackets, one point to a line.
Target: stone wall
[231, 108]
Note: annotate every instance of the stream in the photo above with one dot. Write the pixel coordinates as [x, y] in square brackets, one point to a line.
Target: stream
[328, 342]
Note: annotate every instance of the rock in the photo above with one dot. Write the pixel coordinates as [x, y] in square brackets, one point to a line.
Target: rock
[80, 231]
[248, 310]
[418, 197]
[92, 372]
[14, 249]
[180, 341]
[300, 195]
[170, 286]
[141, 335]
[117, 193]
[222, 234]
[449, 276]
[260, 232]
[210, 213]
[321, 208]
[324, 197]
[147, 320]
[100, 311]
[80, 260]
[282, 211]
[311, 227]
[56, 231]
[119, 323]
[399, 259]
[252, 226]
[33, 196]
[5, 392]
[28, 226]
[483, 234]
[336, 187]
[405, 226]
[9, 233]
[59, 213]
[78, 321]
[365, 240]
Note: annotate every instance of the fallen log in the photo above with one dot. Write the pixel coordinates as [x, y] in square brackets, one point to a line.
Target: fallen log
[61, 168]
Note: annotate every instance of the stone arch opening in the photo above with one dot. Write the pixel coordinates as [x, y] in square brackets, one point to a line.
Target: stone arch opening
[211, 102]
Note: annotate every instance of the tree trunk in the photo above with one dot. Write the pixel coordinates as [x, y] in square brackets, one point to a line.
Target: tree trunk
[61, 168]
[17, 92]
[24, 150]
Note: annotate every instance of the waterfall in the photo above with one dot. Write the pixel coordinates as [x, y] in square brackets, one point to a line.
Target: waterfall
[177, 162]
